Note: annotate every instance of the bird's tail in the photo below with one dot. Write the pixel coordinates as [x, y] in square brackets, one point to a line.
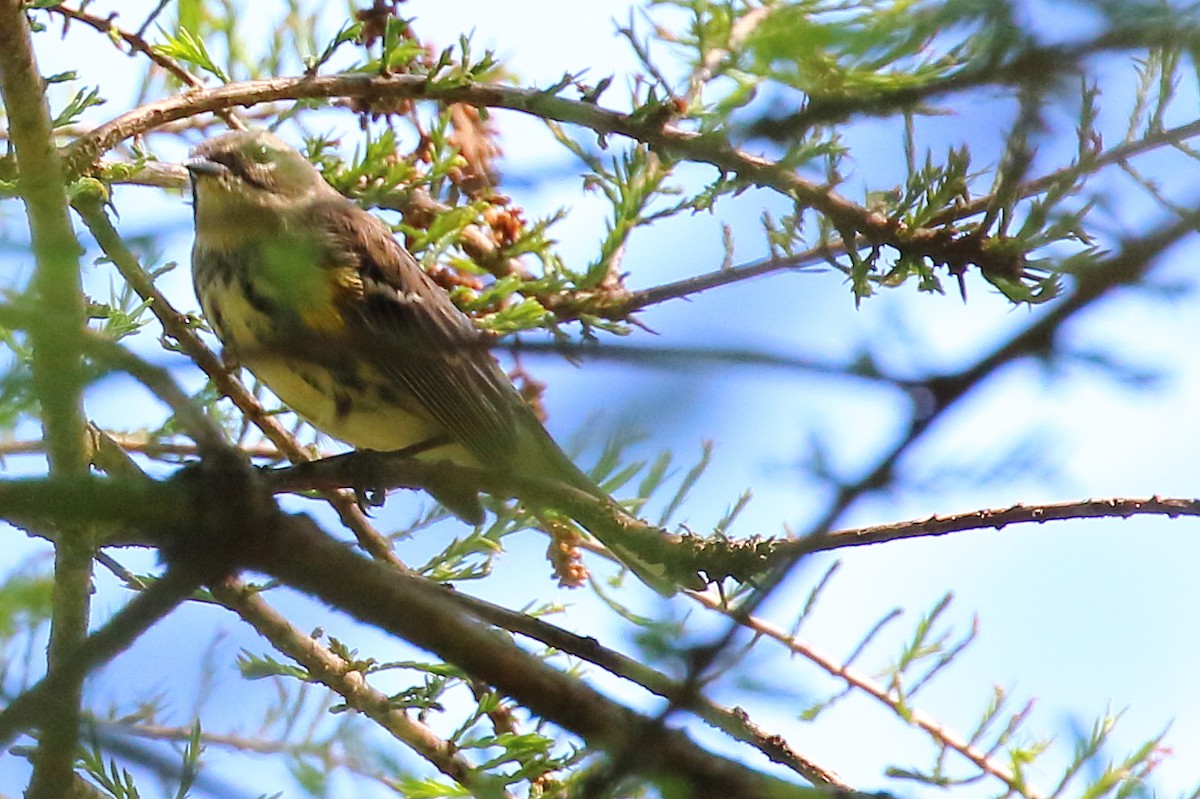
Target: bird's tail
[629, 539]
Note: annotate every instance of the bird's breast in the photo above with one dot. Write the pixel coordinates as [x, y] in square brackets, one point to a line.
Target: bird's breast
[295, 344]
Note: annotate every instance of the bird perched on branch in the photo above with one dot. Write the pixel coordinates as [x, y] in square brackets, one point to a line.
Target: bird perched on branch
[317, 298]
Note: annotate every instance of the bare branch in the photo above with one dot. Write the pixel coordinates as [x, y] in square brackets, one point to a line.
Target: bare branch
[867, 685]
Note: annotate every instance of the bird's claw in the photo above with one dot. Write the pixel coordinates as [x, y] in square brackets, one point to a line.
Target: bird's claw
[368, 497]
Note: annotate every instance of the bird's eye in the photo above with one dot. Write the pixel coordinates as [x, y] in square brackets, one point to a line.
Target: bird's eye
[260, 154]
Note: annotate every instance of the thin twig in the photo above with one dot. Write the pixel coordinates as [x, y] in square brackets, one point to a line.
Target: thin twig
[996, 519]
[138, 44]
[144, 444]
[938, 731]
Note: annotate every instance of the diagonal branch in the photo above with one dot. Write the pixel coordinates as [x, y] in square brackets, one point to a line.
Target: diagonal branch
[734, 722]
[297, 553]
[862, 682]
[138, 44]
[335, 673]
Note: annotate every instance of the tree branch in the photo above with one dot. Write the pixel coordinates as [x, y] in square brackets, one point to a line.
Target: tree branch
[864, 683]
[297, 553]
[734, 722]
[138, 44]
[39, 704]
[940, 245]
[335, 673]
[1116, 507]
[57, 377]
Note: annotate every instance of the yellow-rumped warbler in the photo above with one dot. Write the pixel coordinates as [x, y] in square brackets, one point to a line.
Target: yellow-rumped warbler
[317, 298]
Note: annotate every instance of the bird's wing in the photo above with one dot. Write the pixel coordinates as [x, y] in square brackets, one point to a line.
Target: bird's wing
[417, 337]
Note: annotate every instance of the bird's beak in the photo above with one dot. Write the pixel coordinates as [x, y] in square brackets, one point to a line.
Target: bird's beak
[203, 167]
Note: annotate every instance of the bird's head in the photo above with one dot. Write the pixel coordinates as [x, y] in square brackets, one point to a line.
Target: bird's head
[245, 174]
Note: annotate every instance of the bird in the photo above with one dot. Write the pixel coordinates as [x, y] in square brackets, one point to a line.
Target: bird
[319, 301]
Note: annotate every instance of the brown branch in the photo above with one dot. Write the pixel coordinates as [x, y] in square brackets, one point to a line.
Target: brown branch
[341, 677]
[1117, 507]
[697, 284]
[939, 245]
[734, 722]
[853, 678]
[138, 44]
[297, 553]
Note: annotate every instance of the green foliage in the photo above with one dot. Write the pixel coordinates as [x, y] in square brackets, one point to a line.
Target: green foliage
[193, 749]
[431, 788]
[374, 173]
[255, 667]
[349, 32]
[17, 397]
[81, 101]
[111, 778]
[25, 602]
[837, 50]
[188, 47]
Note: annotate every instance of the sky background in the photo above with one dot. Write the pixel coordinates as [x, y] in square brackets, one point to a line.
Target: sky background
[1083, 616]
